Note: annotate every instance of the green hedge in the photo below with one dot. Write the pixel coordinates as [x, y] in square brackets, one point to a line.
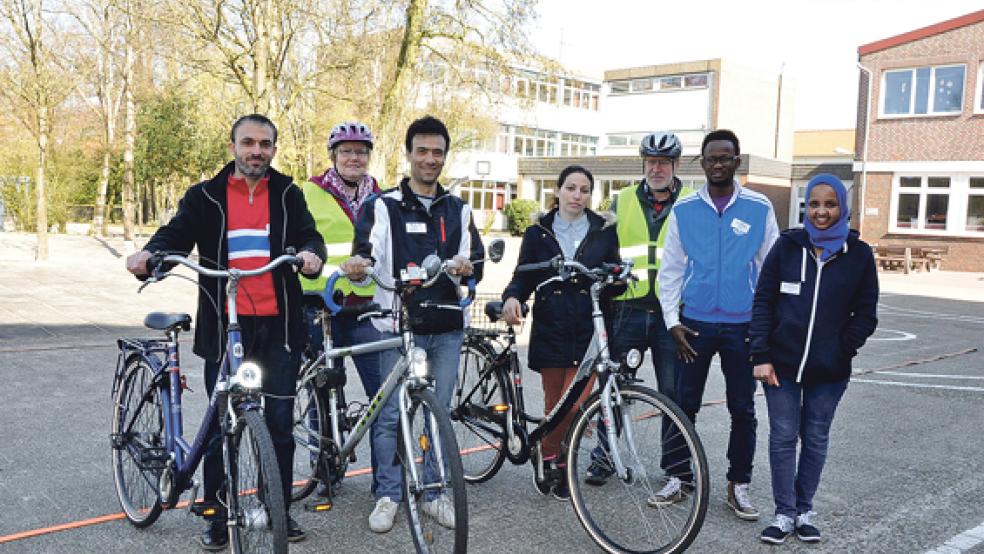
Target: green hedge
[518, 214]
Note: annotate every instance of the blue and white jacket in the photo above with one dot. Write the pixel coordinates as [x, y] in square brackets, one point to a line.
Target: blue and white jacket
[711, 261]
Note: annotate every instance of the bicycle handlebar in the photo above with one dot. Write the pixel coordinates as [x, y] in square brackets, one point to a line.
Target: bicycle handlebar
[159, 259]
[334, 308]
[567, 268]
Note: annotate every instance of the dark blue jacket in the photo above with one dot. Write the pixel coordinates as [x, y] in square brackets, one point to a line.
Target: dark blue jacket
[562, 325]
[809, 319]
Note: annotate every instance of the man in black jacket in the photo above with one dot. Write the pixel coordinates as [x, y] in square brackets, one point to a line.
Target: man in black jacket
[244, 217]
[402, 226]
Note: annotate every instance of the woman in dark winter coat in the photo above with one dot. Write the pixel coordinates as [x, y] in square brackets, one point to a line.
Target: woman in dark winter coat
[562, 325]
[814, 308]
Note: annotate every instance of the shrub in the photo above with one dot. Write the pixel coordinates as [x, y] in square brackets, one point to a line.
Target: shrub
[518, 214]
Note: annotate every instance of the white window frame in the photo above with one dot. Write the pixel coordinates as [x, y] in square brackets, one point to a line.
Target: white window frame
[979, 94]
[912, 92]
[956, 220]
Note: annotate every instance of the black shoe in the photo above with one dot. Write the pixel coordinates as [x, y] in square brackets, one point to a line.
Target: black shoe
[598, 473]
[805, 530]
[294, 531]
[550, 476]
[778, 531]
[560, 490]
[215, 537]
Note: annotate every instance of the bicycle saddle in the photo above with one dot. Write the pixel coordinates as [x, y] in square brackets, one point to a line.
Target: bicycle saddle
[167, 322]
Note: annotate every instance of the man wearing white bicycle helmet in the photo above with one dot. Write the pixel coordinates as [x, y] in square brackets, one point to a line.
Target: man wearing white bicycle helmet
[641, 211]
[335, 199]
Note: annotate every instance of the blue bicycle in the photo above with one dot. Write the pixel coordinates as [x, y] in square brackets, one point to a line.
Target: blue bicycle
[153, 464]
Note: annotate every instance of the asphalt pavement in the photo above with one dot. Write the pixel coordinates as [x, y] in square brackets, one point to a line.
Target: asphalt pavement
[904, 472]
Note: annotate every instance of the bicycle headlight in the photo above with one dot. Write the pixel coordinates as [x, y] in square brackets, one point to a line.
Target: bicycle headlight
[633, 358]
[249, 376]
[419, 366]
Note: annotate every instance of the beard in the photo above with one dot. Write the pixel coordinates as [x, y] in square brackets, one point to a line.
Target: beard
[250, 171]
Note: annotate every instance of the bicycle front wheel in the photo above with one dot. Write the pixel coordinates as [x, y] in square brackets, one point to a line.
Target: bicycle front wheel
[433, 485]
[655, 441]
[139, 454]
[479, 436]
[310, 433]
[255, 495]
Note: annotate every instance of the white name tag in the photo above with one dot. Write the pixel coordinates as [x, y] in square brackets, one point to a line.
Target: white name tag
[789, 288]
[416, 227]
[739, 226]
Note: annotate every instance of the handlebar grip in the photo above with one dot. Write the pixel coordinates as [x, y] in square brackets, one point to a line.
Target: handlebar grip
[466, 301]
[538, 266]
[333, 307]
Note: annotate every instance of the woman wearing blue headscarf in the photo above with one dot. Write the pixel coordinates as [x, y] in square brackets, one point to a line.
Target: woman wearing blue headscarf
[814, 308]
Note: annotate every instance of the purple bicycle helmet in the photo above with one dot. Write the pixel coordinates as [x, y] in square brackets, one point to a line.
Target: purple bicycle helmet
[349, 131]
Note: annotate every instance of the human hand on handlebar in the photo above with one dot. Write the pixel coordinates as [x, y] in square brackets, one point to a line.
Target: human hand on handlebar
[312, 263]
[136, 263]
[512, 311]
[355, 268]
[461, 266]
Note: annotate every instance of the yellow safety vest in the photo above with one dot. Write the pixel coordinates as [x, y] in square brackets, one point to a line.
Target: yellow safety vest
[634, 242]
[338, 233]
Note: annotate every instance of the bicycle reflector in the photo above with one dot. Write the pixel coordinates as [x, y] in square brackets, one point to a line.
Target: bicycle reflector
[419, 366]
[249, 376]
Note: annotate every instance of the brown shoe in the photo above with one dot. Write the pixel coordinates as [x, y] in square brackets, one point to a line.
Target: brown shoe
[740, 501]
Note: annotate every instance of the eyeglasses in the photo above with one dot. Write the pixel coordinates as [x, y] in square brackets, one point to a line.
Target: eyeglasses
[348, 152]
[714, 160]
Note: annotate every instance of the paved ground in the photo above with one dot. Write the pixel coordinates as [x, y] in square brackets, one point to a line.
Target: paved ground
[904, 470]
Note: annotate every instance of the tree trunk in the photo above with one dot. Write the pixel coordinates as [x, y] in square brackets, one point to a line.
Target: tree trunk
[42, 204]
[99, 225]
[129, 132]
[391, 112]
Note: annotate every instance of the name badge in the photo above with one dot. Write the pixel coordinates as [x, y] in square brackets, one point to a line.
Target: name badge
[416, 227]
[739, 226]
[789, 288]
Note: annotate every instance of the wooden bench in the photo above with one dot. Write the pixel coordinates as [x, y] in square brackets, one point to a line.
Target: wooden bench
[934, 254]
[905, 258]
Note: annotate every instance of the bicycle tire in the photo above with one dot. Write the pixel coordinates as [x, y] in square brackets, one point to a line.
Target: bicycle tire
[478, 387]
[424, 414]
[138, 457]
[618, 515]
[254, 492]
[311, 427]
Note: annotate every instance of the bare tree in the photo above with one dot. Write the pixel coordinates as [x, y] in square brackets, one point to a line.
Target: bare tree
[30, 81]
[129, 121]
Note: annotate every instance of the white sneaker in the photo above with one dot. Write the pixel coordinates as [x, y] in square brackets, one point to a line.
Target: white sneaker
[441, 509]
[672, 492]
[382, 516]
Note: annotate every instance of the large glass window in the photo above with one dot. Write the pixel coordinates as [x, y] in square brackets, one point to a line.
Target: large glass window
[938, 204]
[975, 205]
[923, 90]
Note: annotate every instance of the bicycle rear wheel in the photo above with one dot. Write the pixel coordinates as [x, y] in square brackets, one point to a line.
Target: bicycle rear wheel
[480, 438]
[139, 453]
[623, 515]
[311, 428]
[255, 495]
[433, 492]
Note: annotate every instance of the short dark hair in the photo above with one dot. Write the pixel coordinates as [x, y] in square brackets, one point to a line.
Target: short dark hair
[574, 169]
[721, 134]
[428, 125]
[252, 118]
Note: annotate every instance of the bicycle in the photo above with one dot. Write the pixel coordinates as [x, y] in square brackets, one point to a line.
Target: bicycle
[427, 448]
[152, 462]
[489, 413]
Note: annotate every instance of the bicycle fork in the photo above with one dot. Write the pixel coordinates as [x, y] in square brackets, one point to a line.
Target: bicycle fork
[631, 472]
[425, 441]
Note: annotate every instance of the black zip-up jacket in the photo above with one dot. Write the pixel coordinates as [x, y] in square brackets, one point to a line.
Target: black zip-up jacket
[201, 221]
[809, 319]
[395, 229]
[562, 325]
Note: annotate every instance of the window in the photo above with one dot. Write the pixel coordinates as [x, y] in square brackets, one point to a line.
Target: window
[695, 81]
[619, 87]
[980, 89]
[670, 83]
[938, 204]
[642, 85]
[923, 91]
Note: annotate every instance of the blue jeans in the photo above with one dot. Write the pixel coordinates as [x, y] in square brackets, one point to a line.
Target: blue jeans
[644, 330]
[443, 353]
[804, 412]
[347, 331]
[730, 342]
[264, 344]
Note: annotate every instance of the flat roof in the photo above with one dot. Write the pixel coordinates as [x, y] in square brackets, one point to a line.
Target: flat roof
[677, 68]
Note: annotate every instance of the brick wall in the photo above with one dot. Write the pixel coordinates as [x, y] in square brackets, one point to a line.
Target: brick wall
[934, 138]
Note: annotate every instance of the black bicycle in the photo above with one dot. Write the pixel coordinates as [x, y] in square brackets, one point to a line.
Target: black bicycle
[492, 425]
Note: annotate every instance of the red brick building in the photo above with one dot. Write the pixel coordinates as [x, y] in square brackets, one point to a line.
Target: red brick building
[920, 140]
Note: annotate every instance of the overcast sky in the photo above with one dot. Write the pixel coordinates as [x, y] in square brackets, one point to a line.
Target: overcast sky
[815, 41]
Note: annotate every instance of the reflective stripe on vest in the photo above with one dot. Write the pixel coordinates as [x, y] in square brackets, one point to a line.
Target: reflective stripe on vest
[634, 242]
[338, 233]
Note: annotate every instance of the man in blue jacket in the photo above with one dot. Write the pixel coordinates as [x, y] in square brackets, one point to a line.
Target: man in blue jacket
[716, 242]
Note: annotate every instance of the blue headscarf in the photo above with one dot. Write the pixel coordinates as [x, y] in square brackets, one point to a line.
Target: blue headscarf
[832, 238]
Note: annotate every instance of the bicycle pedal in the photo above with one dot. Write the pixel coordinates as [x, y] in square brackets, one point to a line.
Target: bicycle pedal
[321, 504]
